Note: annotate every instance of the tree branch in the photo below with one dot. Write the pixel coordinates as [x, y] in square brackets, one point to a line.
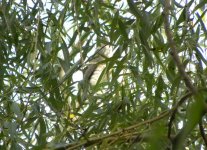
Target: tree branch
[177, 142]
[120, 133]
[202, 132]
[174, 52]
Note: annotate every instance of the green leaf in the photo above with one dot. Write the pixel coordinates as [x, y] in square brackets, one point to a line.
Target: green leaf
[201, 4]
[12, 129]
[157, 24]
[202, 23]
[15, 108]
[123, 29]
[134, 9]
[72, 40]
[194, 115]
[182, 18]
[42, 132]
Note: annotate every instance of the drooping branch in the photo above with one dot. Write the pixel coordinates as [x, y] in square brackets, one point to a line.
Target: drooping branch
[177, 142]
[174, 49]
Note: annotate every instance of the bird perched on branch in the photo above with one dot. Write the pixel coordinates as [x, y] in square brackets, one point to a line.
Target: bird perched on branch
[95, 67]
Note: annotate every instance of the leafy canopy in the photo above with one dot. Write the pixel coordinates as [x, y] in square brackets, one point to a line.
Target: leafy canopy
[140, 100]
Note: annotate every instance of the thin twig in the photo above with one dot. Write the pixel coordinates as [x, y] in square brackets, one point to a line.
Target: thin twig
[180, 102]
[202, 132]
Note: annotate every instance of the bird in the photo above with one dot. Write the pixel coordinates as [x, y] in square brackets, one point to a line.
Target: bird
[95, 67]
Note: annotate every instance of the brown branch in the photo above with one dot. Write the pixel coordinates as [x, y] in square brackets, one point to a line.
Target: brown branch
[174, 52]
[180, 137]
[202, 132]
[96, 140]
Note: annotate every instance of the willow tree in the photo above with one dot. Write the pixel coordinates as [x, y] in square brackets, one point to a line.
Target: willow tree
[100, 74]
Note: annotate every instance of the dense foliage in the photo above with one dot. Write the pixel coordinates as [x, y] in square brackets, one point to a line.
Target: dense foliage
[150, 92]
